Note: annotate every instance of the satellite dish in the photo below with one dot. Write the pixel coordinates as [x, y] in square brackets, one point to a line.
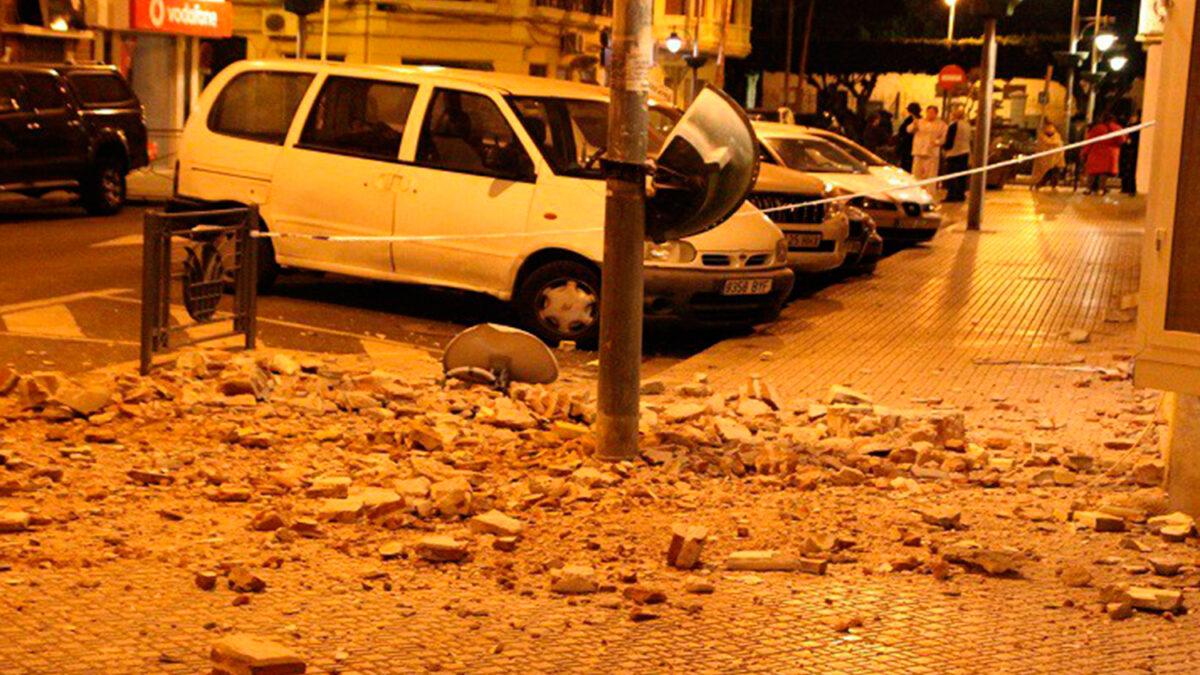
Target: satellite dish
[707, 166]
[497, 355]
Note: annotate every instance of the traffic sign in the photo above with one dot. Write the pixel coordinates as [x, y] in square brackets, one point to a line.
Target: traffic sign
[951, 78]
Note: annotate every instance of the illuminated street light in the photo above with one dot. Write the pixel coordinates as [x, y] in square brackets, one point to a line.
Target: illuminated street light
[950, 31]
[674, 43]
[1117, 63]
[1105, 41]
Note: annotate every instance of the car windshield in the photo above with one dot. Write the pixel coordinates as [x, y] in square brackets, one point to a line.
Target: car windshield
[813, 155]
[856, 151]
[572, 133]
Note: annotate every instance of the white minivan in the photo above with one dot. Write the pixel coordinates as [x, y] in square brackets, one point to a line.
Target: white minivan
[491, 182]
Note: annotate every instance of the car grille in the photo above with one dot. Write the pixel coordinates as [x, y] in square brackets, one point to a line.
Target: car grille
[802, 213]
[724, 260]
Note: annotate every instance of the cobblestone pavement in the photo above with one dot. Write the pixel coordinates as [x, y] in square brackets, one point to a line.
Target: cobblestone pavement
[970, 317]
[126, 602]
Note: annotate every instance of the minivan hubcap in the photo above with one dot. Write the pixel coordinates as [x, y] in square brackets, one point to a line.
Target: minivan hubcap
[568, 307]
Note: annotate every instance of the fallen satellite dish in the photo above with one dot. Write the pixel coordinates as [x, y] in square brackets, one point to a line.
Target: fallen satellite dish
[707, 166]
[497, 355]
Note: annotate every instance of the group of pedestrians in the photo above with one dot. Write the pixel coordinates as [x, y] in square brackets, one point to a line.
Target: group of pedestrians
[923, 140]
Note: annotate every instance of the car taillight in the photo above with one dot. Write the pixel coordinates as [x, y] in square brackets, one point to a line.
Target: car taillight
[152, 150]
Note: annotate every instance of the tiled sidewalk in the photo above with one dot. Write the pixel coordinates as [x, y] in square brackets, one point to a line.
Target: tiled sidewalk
[969, 317]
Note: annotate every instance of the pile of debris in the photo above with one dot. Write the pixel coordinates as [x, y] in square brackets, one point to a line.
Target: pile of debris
[303, 450]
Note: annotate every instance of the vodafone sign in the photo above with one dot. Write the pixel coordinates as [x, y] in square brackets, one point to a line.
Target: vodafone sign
[208, 18]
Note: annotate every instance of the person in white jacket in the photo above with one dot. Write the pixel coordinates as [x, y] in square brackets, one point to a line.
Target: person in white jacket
[929, 133]
[958, 153]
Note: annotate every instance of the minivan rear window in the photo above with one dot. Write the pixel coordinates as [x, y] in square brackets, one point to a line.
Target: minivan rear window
[99, 89]
[259, 105]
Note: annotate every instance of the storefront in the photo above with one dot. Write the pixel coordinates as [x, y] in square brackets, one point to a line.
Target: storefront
[158, 45]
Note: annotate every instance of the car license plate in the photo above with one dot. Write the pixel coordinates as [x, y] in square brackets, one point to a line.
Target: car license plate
[797, 240]
[853, 246]
[747, 287]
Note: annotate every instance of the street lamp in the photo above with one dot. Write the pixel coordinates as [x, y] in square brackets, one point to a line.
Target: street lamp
[1118, 63]
[674, 43]
[1105, 41]
[950, 31]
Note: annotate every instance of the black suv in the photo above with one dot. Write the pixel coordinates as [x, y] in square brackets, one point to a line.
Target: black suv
[69, 127]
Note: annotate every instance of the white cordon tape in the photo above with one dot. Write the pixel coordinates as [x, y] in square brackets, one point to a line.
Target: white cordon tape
[431, 237]
[840, 198]
[960, 174]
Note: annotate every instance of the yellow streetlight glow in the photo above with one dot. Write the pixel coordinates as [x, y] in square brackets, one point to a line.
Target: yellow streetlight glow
[1117, 63]
[1105, 41]
[674, 43]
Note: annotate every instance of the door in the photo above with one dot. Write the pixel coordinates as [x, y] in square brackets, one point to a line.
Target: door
[342, 175]
[15, 131]
[472, 181]
[58, 138]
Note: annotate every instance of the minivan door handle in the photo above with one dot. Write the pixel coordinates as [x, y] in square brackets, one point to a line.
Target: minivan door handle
[396, 182]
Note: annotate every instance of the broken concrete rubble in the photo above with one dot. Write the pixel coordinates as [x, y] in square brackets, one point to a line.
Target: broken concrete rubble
[250, 655]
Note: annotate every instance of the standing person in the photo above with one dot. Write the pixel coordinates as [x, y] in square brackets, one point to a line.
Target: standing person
[929, 133]
[1048, 170]
[876, 135]
[1101, 158]
[1129, 157]
[958, 153]
[904, 137]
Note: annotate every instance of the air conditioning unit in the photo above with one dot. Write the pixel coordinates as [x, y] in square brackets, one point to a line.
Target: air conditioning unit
[571, 43]
[279, 23]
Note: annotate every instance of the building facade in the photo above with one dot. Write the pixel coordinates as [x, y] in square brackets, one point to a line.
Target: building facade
[169, 49]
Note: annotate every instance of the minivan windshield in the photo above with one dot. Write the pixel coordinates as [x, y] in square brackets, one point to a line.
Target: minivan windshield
[572, 133]
[813, 155]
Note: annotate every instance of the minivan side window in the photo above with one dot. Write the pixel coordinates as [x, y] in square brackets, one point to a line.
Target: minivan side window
[359, 117]
[259, 105]
[467, 133]
[43, 93]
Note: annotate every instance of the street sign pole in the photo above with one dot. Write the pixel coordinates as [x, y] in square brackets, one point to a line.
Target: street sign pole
[983, 131]
[621, 290]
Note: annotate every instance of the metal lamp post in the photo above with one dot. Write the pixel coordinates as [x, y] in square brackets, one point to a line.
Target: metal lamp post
[991, 10]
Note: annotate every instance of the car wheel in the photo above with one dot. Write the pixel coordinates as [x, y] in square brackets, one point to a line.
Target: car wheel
[561, 301]
[104, 190]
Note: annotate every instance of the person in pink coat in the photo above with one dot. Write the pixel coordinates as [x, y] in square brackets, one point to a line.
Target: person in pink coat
[1101, 159]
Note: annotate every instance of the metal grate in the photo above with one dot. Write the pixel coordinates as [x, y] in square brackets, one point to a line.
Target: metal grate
[217, 246]
[801, 213]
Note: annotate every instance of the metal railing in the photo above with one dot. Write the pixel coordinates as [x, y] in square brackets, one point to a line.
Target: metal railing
[218, 250]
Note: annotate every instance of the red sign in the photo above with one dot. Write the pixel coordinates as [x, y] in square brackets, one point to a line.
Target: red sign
[951, 78]
[208, 18]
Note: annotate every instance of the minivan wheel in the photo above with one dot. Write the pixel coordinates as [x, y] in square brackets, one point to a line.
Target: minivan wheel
[104, 190]
[561, 301]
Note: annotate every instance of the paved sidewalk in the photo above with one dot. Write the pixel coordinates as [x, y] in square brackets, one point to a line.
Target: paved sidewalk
[105, 585]
[970, 318]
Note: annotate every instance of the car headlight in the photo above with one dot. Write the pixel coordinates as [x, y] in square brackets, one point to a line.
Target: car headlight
[835, 208]
[781, 251]
[870, 204]
[670, 252]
